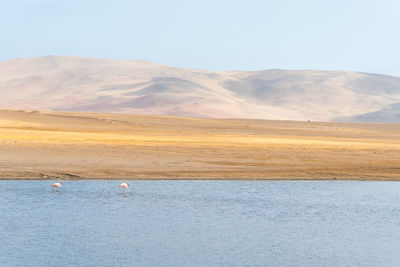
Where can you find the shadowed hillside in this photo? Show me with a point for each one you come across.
(140, 87)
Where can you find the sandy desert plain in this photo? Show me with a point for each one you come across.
(75, 145)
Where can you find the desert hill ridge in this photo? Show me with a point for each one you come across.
(140, 87)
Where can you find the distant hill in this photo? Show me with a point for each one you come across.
(141, 87)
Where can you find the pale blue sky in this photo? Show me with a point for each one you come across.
(360, 35)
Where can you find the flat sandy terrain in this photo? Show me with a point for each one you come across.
(50, 145)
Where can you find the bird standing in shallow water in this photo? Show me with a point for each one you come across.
(57, 185)
(124, 185)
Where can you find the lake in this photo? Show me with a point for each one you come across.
(200, 223)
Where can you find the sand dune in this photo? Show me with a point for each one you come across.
(50, 145)
(140, 87)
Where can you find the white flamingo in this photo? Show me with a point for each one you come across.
(57, 185)
(124, 185)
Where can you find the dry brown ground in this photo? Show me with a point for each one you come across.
(48, 145)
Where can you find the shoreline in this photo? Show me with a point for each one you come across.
(205, 179)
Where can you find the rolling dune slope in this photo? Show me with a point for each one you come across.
(140, 87)
(49, 145)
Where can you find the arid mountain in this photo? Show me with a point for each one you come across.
(140, 87)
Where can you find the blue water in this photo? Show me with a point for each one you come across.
(200, 223)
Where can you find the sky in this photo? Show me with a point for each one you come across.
(354, 35)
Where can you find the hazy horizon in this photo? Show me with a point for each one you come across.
(226, 70)
(228, 35)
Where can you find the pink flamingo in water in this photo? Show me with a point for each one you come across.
(124, 185)
(57, 185)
